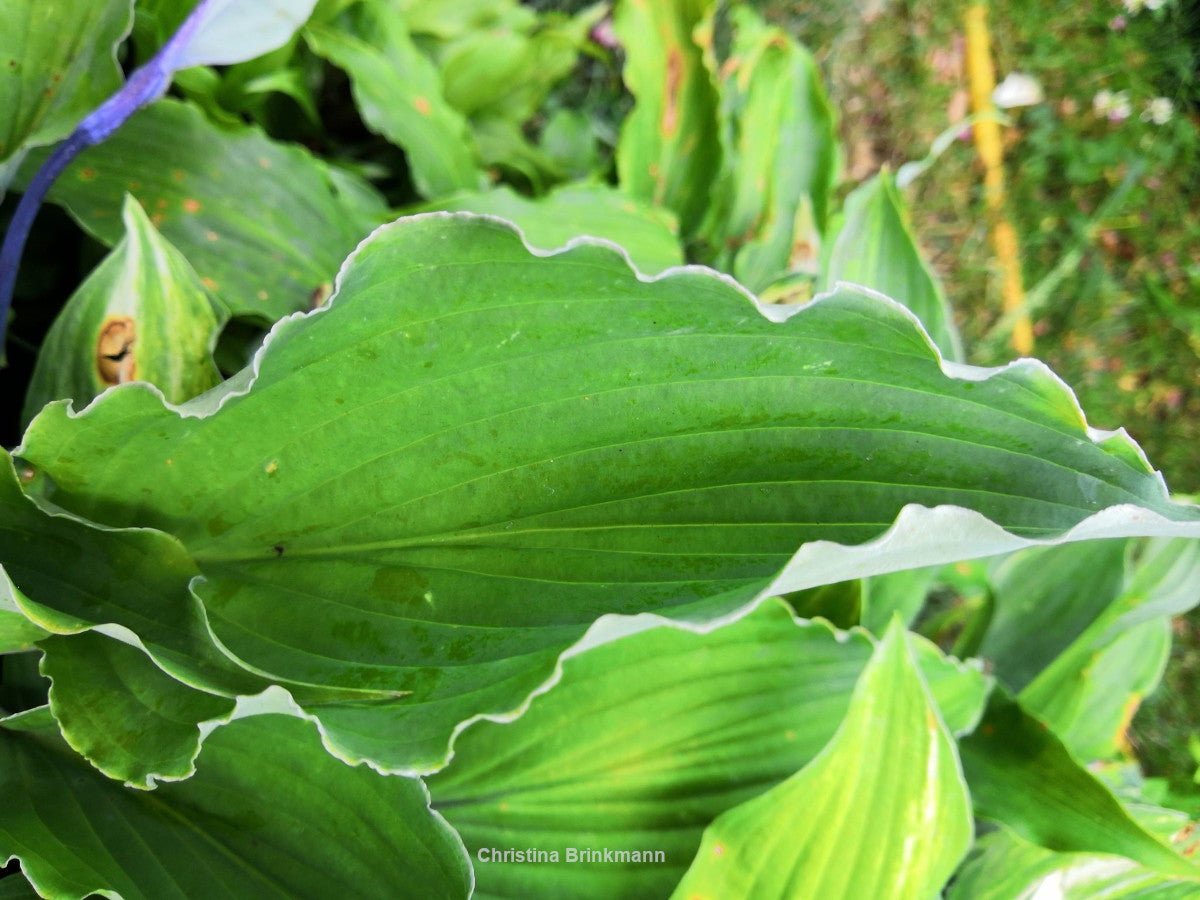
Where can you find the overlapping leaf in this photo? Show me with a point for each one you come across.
(142, 314)
(268, 814)
(881, 812)
(1023, 777)
(399, 92)
(57, 62)
(649, 234)
(438, 484)
(1004, 867)
(768, 216)
(264, 224)
(874, 245)
(644, 741)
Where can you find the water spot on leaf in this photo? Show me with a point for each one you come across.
(116, 361)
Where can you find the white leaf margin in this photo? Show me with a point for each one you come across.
(920, 536)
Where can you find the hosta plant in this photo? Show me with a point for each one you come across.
(521, 558)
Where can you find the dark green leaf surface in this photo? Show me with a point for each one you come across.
(1023, 777)
(268, 814)
(141, 315)
(882, 811)
(57, 62)
(264, 224)
(475, 452)
(71, 577)
(126, 716)
(644, 741)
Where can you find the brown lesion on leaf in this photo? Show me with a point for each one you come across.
(320, 294)
(116, 361)
(670, 116)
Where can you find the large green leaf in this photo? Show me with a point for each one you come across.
(268, 814)
(1022, 776)
(874, 245)
(881, 812)
(399, 92)
(57, 62)
(263, 223)
(669, 151)
(648, 233)
(141, 315)
(475, 451)
(645, 740)
(768, 219)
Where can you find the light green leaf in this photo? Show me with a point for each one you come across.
(669, 153)
(268, 814)
(264, 224)
(1004, 867)
(902, 593)
(17, 633)
(141, 315)
(645, 740)
(781, 157)
(648, 233)
(1091, 690)
(874, 245)
(1023, 777)
(57, 62)
(233, 31)
(881, 811)
(127, 717)
(475, 452)
(400, 95)
(1045, 598)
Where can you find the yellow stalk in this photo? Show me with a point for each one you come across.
(981, 77)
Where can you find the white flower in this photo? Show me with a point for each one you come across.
(1154, 4)
(1017, 89)
(1133, 7)
(1159, 111)
(1114, 107)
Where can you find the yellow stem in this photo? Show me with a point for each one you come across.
(981, 77)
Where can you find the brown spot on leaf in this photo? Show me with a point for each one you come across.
(190, 205)
(87, 174)
(178, 175)
(320, 294)
(422, 106)
(116, 361)
(208, 283)
(212, 236)
(670, 117)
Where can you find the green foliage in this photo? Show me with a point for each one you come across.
(508, 563)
